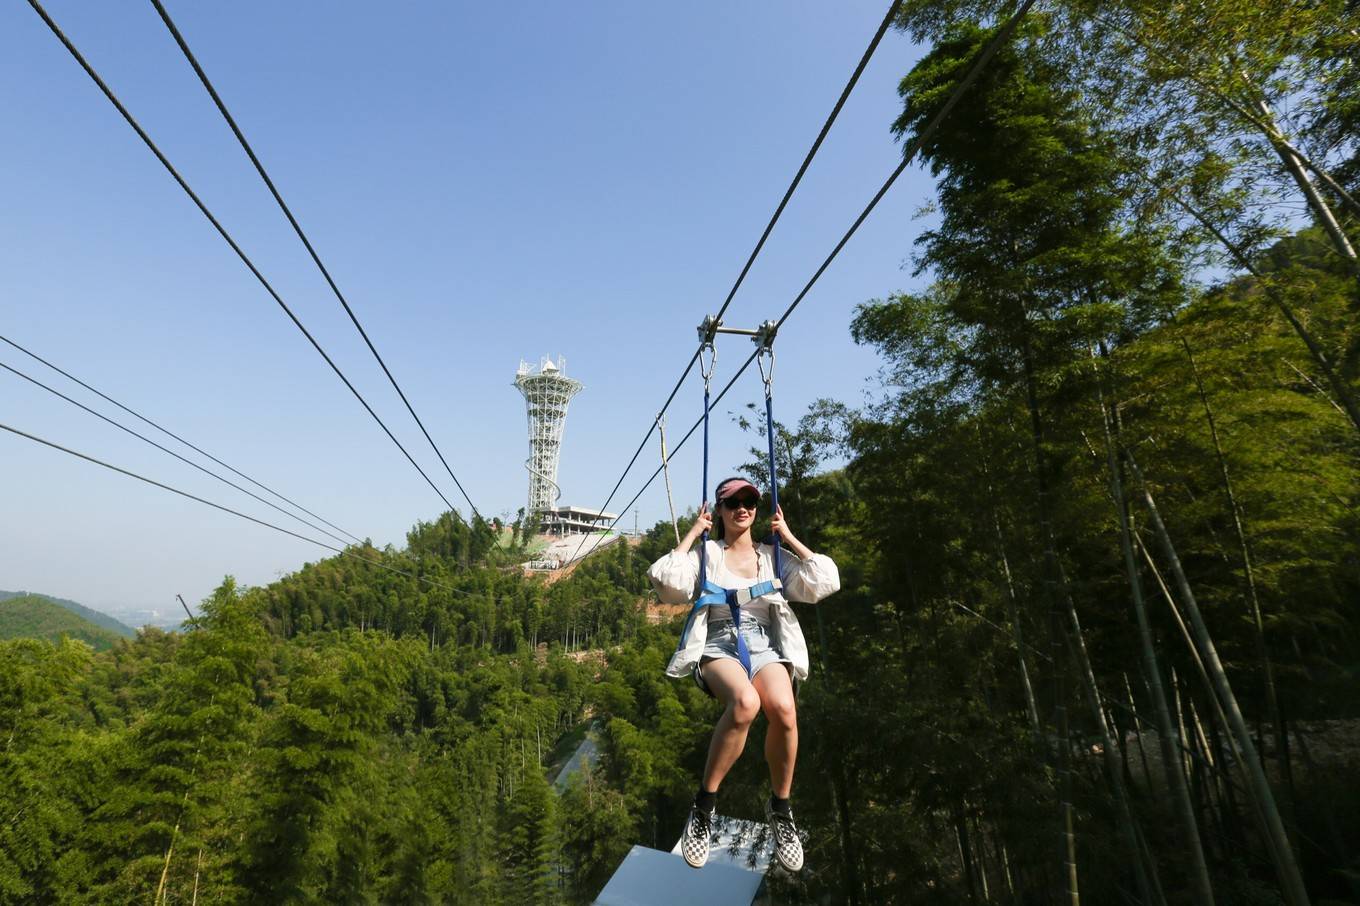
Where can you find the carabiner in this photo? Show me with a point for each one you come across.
(707, 370)
(766, 371)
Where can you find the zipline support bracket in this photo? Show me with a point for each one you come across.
(709, 327)
(762, 336)
(764, 340)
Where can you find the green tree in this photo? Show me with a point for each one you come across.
(597, 830)
(310, 838)
(37, 679)
(161, 819)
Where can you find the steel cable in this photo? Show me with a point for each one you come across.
(812, 152)
(163, 449)
(245, 259)
(226, 509)
(760, 244)
(168, 433)
(908, 154)
(297, 228)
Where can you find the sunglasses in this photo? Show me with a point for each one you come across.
(742, 503)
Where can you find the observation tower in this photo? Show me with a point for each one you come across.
(547, 391)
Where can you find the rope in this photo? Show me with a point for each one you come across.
(245, 259)
(670, 500)
(297, 228)
(168, 433)
(226, 509)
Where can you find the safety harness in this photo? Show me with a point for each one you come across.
(710, 593)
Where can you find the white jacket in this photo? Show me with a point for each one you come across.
(676, 578)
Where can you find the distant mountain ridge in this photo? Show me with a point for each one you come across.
(35, 617)
(101, 620)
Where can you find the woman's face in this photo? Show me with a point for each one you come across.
(739, 512)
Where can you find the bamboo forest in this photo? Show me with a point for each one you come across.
(1096, 521)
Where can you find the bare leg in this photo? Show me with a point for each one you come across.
(775, 689)
(727, 679)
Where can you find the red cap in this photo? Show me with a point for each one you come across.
(732, 486)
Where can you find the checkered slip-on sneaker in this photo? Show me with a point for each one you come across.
(788, 848)
(698, 833)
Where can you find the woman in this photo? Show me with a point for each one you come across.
(770, 639)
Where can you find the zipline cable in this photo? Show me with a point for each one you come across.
(167, 432)
(163, 449)
(297, 228)
(908, 154)
(217, 506)
(812, 152)
(359, 541)
(760, 244)
(245, 259)
(688, 434)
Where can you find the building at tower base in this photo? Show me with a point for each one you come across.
(574, 520)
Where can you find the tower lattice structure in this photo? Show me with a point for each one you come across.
(547, 391)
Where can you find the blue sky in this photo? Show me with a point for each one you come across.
(487, 182)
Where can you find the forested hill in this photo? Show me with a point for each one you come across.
(39, 617)
(102, 620)
(346, 734)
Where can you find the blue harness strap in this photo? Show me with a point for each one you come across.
(735, 598)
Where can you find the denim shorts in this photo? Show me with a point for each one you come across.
(722, 643)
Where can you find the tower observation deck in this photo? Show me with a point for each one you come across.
(547, 390)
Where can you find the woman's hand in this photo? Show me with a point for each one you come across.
(702, 523)
(781, 528)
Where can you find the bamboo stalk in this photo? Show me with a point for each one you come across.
(966, 862)
(1138, 729)
(1216, 784)
(983, 868)
(1321, 209)
(1150, 859)
(169, 852)
(1111, 760)
(1013, 611)
(1193, 765)
(1050, 573)
(1199, 869)
(1121, 739)
(1006, 870)
(1012, 608)
(1258, 623)
(1204, 677)
(1291, 880)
